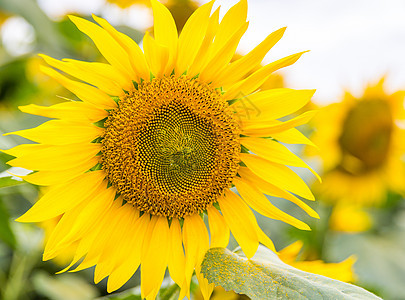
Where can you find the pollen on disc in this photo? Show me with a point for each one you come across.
(171, 147)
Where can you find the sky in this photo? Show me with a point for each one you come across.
(352, 42)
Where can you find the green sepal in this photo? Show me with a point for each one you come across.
(115, 98)
(135, 84)
(100, 123)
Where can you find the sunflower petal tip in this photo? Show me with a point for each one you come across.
(61, 271)
(312, 92)
(71, 17)
(22, 219)
(47, 256)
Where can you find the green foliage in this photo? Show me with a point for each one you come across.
(265, 276)
(8, 181)
(6, 234)
(63, 287)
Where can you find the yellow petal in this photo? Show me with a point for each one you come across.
(61, 229)
(292, 136)
(64, 197)
(106, 70)
(85, 92)
(104, 231)
(108, 47)
(78, 221)
(272, 190)
(289, 254)
(46, 178)
(241, 221)
(275, 103)
(61, 132)
(192, 37)
(131, 263)
(257, 201)
(104, 84)
(24, 149)
(275, 152)
(75, 111)
(112, 252)
(264, 239)
(243, 66)
(165, 32)
(219, 230)
(156, 55)
(254, 81)
(51, 158)
(177, 261)
(205, 287)
(155, 256)
(267, 128)
(202, 54)
(277, 174)
(196, 243)
(88, 218)
(222, 57)
(234, 18)
(136, 56)
(82, 248)
(342, 271)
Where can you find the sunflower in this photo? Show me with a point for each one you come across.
(342, 271)
(155, 145)
(361, 144)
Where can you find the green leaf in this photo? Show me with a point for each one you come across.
(265, 276)
(6, 234)
(8, 181)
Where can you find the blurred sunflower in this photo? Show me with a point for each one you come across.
(342, 271)
(157, 142)
(346, 217)
(361, 146)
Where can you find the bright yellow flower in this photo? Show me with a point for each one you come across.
(157, 141)
(342, 271)
(361, 145)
